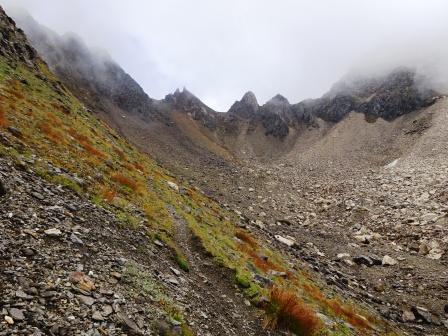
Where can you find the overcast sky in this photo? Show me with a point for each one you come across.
(221, 49)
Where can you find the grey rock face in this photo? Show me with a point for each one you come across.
(13, 43)
(247, 107)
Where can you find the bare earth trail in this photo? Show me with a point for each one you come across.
(220, 304)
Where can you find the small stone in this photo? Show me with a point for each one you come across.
(265, 282)
(2, 189)
(158, 243)
(173, 280)
(82, 280)
(22, 295)
(260, 224)
(9, 319)
(175, 271)
(107, 310)
(128, 323)
(363, 260)
(116, 275)
(16, 314)
(173, 186)
(27, 252)
(388, 261)
(53, 232)
(76, 240)
(37, 195)
(342, 256)
(15, 131)
(434, 255)
(87, 300)
(422, 314)
(423, 249)
(408, 316)
(97, 316)
(48, 294)
(365, 238)
(287, 241)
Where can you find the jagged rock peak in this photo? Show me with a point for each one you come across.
(184, 93)
(249, 99)
(247, 107)
(278, 100)
(182, 97)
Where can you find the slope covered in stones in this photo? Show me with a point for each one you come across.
(99, 239)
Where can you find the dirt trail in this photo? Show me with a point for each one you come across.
(220, 304)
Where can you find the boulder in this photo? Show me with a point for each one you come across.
(287, 241)
(422, 314)
(173, 186)
(53, 232)
(408, 316)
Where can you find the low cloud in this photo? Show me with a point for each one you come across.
(219, 50)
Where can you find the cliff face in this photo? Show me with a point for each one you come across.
(387, 97)
(13, 43)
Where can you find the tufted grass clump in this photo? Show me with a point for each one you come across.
(286, 311)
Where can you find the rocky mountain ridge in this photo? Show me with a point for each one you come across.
(99, 80)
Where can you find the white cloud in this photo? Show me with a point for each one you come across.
(220, 49)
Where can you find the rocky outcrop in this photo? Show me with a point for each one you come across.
(247, 107)
(13, 43)
(386, 97)
(187, 102)
(90, 74)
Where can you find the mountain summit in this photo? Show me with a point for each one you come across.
(247, 107)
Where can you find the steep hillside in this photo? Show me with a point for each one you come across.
(96, 238)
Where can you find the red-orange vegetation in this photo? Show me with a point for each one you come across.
(15, 91)
(76, 135)
(349, 314)
(92, 150)
(108, 195)
(129, 166)
(260, 261)
(313, 292)
(120, 153)
(85, 143)
(54, 120)
(247, 238)
(139, 167)
(51, 133)
(3, 120)
(126, 181)
(60, 107)
(345, 311)
(286, 311)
